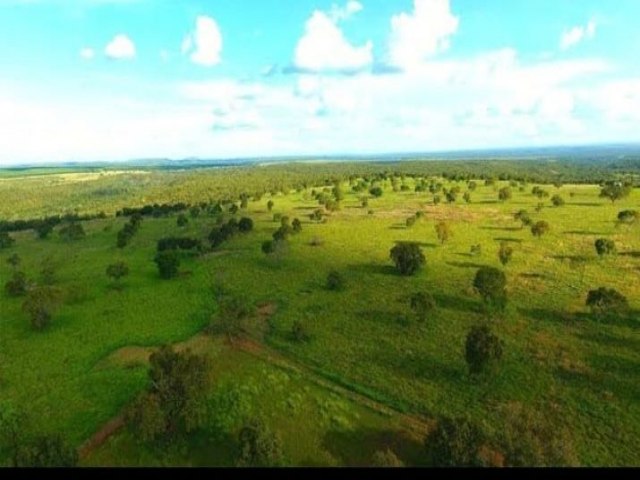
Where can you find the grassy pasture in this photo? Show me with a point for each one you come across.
(583, 373)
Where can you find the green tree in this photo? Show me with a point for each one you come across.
(523, 217)
(232, 316)
(557, 201)
(505, 253)
(14, 260)
(467, 197)
(422, 304)
(299, 332)
(182, 220)
(40, 304)
(245, 225)
(491, 284)
(615, 191)
(48, 451)
(259, 446)
(335, 281)
(443, 231)
(168, 262)
(408, 257)
(605, 302)
(505, 194)
(296, 225)
(386, 459)
(454, 443)
(6, 240)
(17, 285)
(540, 228)
(270, 205)
(116, 271)
(605, 246)
(376, 192)
(628, 217)
(482, 349)
(72, 232)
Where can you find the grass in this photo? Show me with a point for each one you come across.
(80, 372)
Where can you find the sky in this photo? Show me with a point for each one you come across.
(110, 80)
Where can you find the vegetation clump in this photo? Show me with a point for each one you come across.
(407, 257)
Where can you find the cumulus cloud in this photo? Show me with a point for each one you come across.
(205, 43)
(323, 47)
(87, 53)
(577, 34)
(121, 47)
(422, 33)
(339, 13)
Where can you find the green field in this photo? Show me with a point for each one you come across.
(367, 379)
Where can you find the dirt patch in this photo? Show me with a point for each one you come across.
(101, 436)
(266, 310)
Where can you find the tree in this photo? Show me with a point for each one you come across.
(282, 234)
(615, 191)
(472, 185)
(628, 217)
(14, 260)
(245, 225)
(491, 284)
(232, 316)
(17, 285)
(296, 225)
(73, 231)
(454, 443)
(12, 433)
(376, 192)
(467, 197)
(607, 302)
(116, 271)
(436, 199)
(335, 281)
(408, 257)
(410, 222)
(482, 348)
(6, 240)
(259, 446)
(40, 304)
(443, 231)
(505, 194)
(422, 304)
(386, 459)
(48, 451)
(168, 262)
(540, 228)
(505, 253)
(523, 217)
(605, 246)
(182, 220)
(451, 196)
(270, 205)
(43, 230)
(557, 201)
(299, 332)
(175, 399)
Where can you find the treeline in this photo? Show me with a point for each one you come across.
(43, 226)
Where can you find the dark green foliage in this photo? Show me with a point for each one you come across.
(408, 257)
(335, 281)
(194, 212)
(219, 235)
(40, 304)
(605, 246)
(386, 459)
(296, 225)
(607, 302)
(6, 240)
(451, 196)
(475, 250)
(177, 243)
(48, 271)
(17, 285)
(116, 271)
(436, 199)
(71, 232)
(505, 253)
(505, 194)
(174, 403)
(233, 209)
(615, 191)
(299, 332)
(182, 220)
(628, 217)
(443, 231)
(482, 349)
(316, 215)
(270, 205)
(540, 228)
(232, 316)
(48, 451)
(410, 222)
(12, 434)
(422, 304)
(14, 260)
(454, 443)
(491, 284)
(523, 217)
(282, 234)
(467, 197)
(376, 192)
(168, 262)
(245, 225)
(43, 230)
(557, 201)
(472, 185)
(129, 229)
(259, 446)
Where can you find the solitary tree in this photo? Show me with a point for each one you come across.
(182, 220)
(376, 191)
(40, 304)
(422, 304)
(72, 231)
(454, 443)
(408, 257)
(168, 262)
(335, 281)
(505, 194)
(245, 225)
(540, 228)
(270, 205)
(491, 283)
(116, 271)
(443, 231)
(607, 301)
(505, 253)
(557, 200)
(615, 191)
(482, 348)
(259, 446)
(605, 246)
(628, 217)
(17, 285)
(233, 314)
(523, 217)
(467, 197)
(296, 225)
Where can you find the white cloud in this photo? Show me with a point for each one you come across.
(121, 47)
(87, 53)
(323, 47)
(339, 13)
(205, 44)
(577, 34)
(421, 34)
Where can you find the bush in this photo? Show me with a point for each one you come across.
(168, 262)
(245, 225)
(454, 443)
(422, 304)
(73, 231)
(335, 281)
(491, 284)
(505, 194)
(259, 446)
(628, 217)
(376, 192)
(407, 257)
(443, 231)
(540, 228)
(17, 285)
(118, 270)
(557, 201)
(296, 225)
(6, 240)
(505, 253)
(482, 348)
(40, 304)
(605, 246)
(48, 451)
(607, 301)
(386, 458)
(299, 332)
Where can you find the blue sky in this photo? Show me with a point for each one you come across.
(87, 80)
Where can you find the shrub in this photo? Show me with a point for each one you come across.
(245, 225)
(168, 262)
(182, 220)
(118, 270)
(557, 201)
(259, 446)
(505, 253)
(48, 451)
(335, 281)
(40, 304)
(482, 348)
(443, 231)
(299, 332)
(376, 192)
(605, 246)
(73, 231)
(540, 228)
(386, 458)
(505, 194)
(607, 301)
(6, 240)
(628, 217)
(422, 304)
(407, 257)
(491, 283)
(17, 285)
(454, 443)
(296, 225)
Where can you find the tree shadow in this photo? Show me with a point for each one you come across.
(546, 314)
(630, 254)
(462, 254)
(459, 304)
(486, 202)
(502, 229)
(613, 341)
(465, 264)
(585, 232)
(585, 204)
(374, 269)
(534, 276)
(571, 258)
(398, 227)
(508, 240)
(355, 448)
(420, 244)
